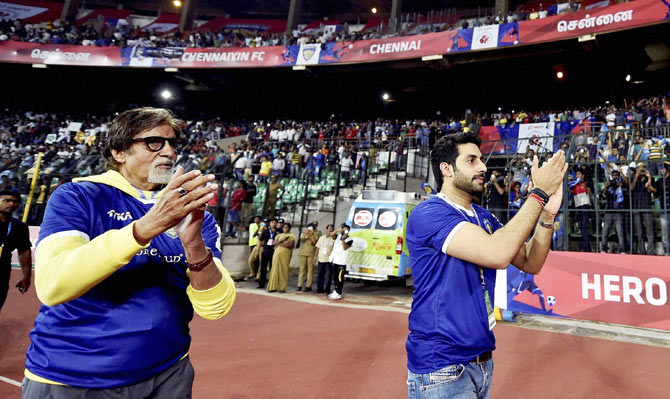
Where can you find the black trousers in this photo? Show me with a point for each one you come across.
(323, 277)
(5, 272)
(338, 277)
(266, 258)
(174, 383)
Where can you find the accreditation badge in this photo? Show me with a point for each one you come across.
(489, 310)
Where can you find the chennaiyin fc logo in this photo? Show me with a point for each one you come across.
(487, 226)
(308, 52)
(172, 233)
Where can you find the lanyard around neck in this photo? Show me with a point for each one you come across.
(467, 218)
(9, 229)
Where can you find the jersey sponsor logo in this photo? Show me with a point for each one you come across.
(487, 226)
(172, 233)
(119, 216)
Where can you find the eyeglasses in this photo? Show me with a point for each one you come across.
(156, 143)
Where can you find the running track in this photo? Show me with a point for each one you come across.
(271, 347)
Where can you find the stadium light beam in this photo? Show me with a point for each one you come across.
(177, 3)
(166, 94)
(374, 10)
(560, 75)
(628, 78)
(386, 96)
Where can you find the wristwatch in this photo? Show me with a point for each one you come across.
(196, 267)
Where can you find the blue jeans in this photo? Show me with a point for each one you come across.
(458, 381)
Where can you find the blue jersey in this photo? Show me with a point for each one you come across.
(133, 324)
(448, 322)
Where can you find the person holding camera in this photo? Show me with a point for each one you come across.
(13, 235)
(641, 189)
(494, 192)
(338, 258)
(614, 192)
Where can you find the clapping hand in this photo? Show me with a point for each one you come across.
(182, 203)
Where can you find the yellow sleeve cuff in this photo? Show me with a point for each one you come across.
(215, 302)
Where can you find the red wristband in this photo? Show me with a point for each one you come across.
(538, 199)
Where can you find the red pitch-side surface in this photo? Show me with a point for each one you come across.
(270, 347)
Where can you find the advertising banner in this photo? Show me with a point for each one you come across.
(30, 11)
(485, 37)
(616, 17)
(57, 54)
(622, 289)
(536, 136)
(308, 54)
(178, 57)
(386, 49)
(570, 25)
(19, 11)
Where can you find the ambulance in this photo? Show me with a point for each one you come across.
(378, 220)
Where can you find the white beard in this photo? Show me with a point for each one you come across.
(159, 176)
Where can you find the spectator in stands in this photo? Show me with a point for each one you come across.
(248, 202)
(235, 210)
(296, 160)
(5, 185)
(581, 192)
(240, 163)
(278, 165)
(281, 260)
(642, 186)
(265, 169)
(319, 162)
(663, 193)
(308, 240)
(494, 192)
(614, 192)
(273, 190)
(345, 167)
(516, 198)
(363, 168)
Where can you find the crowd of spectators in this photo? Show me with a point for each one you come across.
(122, 34)
(617, 161)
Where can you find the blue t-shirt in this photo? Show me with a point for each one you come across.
(448, 322)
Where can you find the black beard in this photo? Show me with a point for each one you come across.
(462, 183)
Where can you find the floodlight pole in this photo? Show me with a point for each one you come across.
(187, 14)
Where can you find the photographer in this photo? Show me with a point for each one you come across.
(614, 193)
(494, 192)
(338, 258)
(641, 188)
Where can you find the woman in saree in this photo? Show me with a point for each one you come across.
(281, 260)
